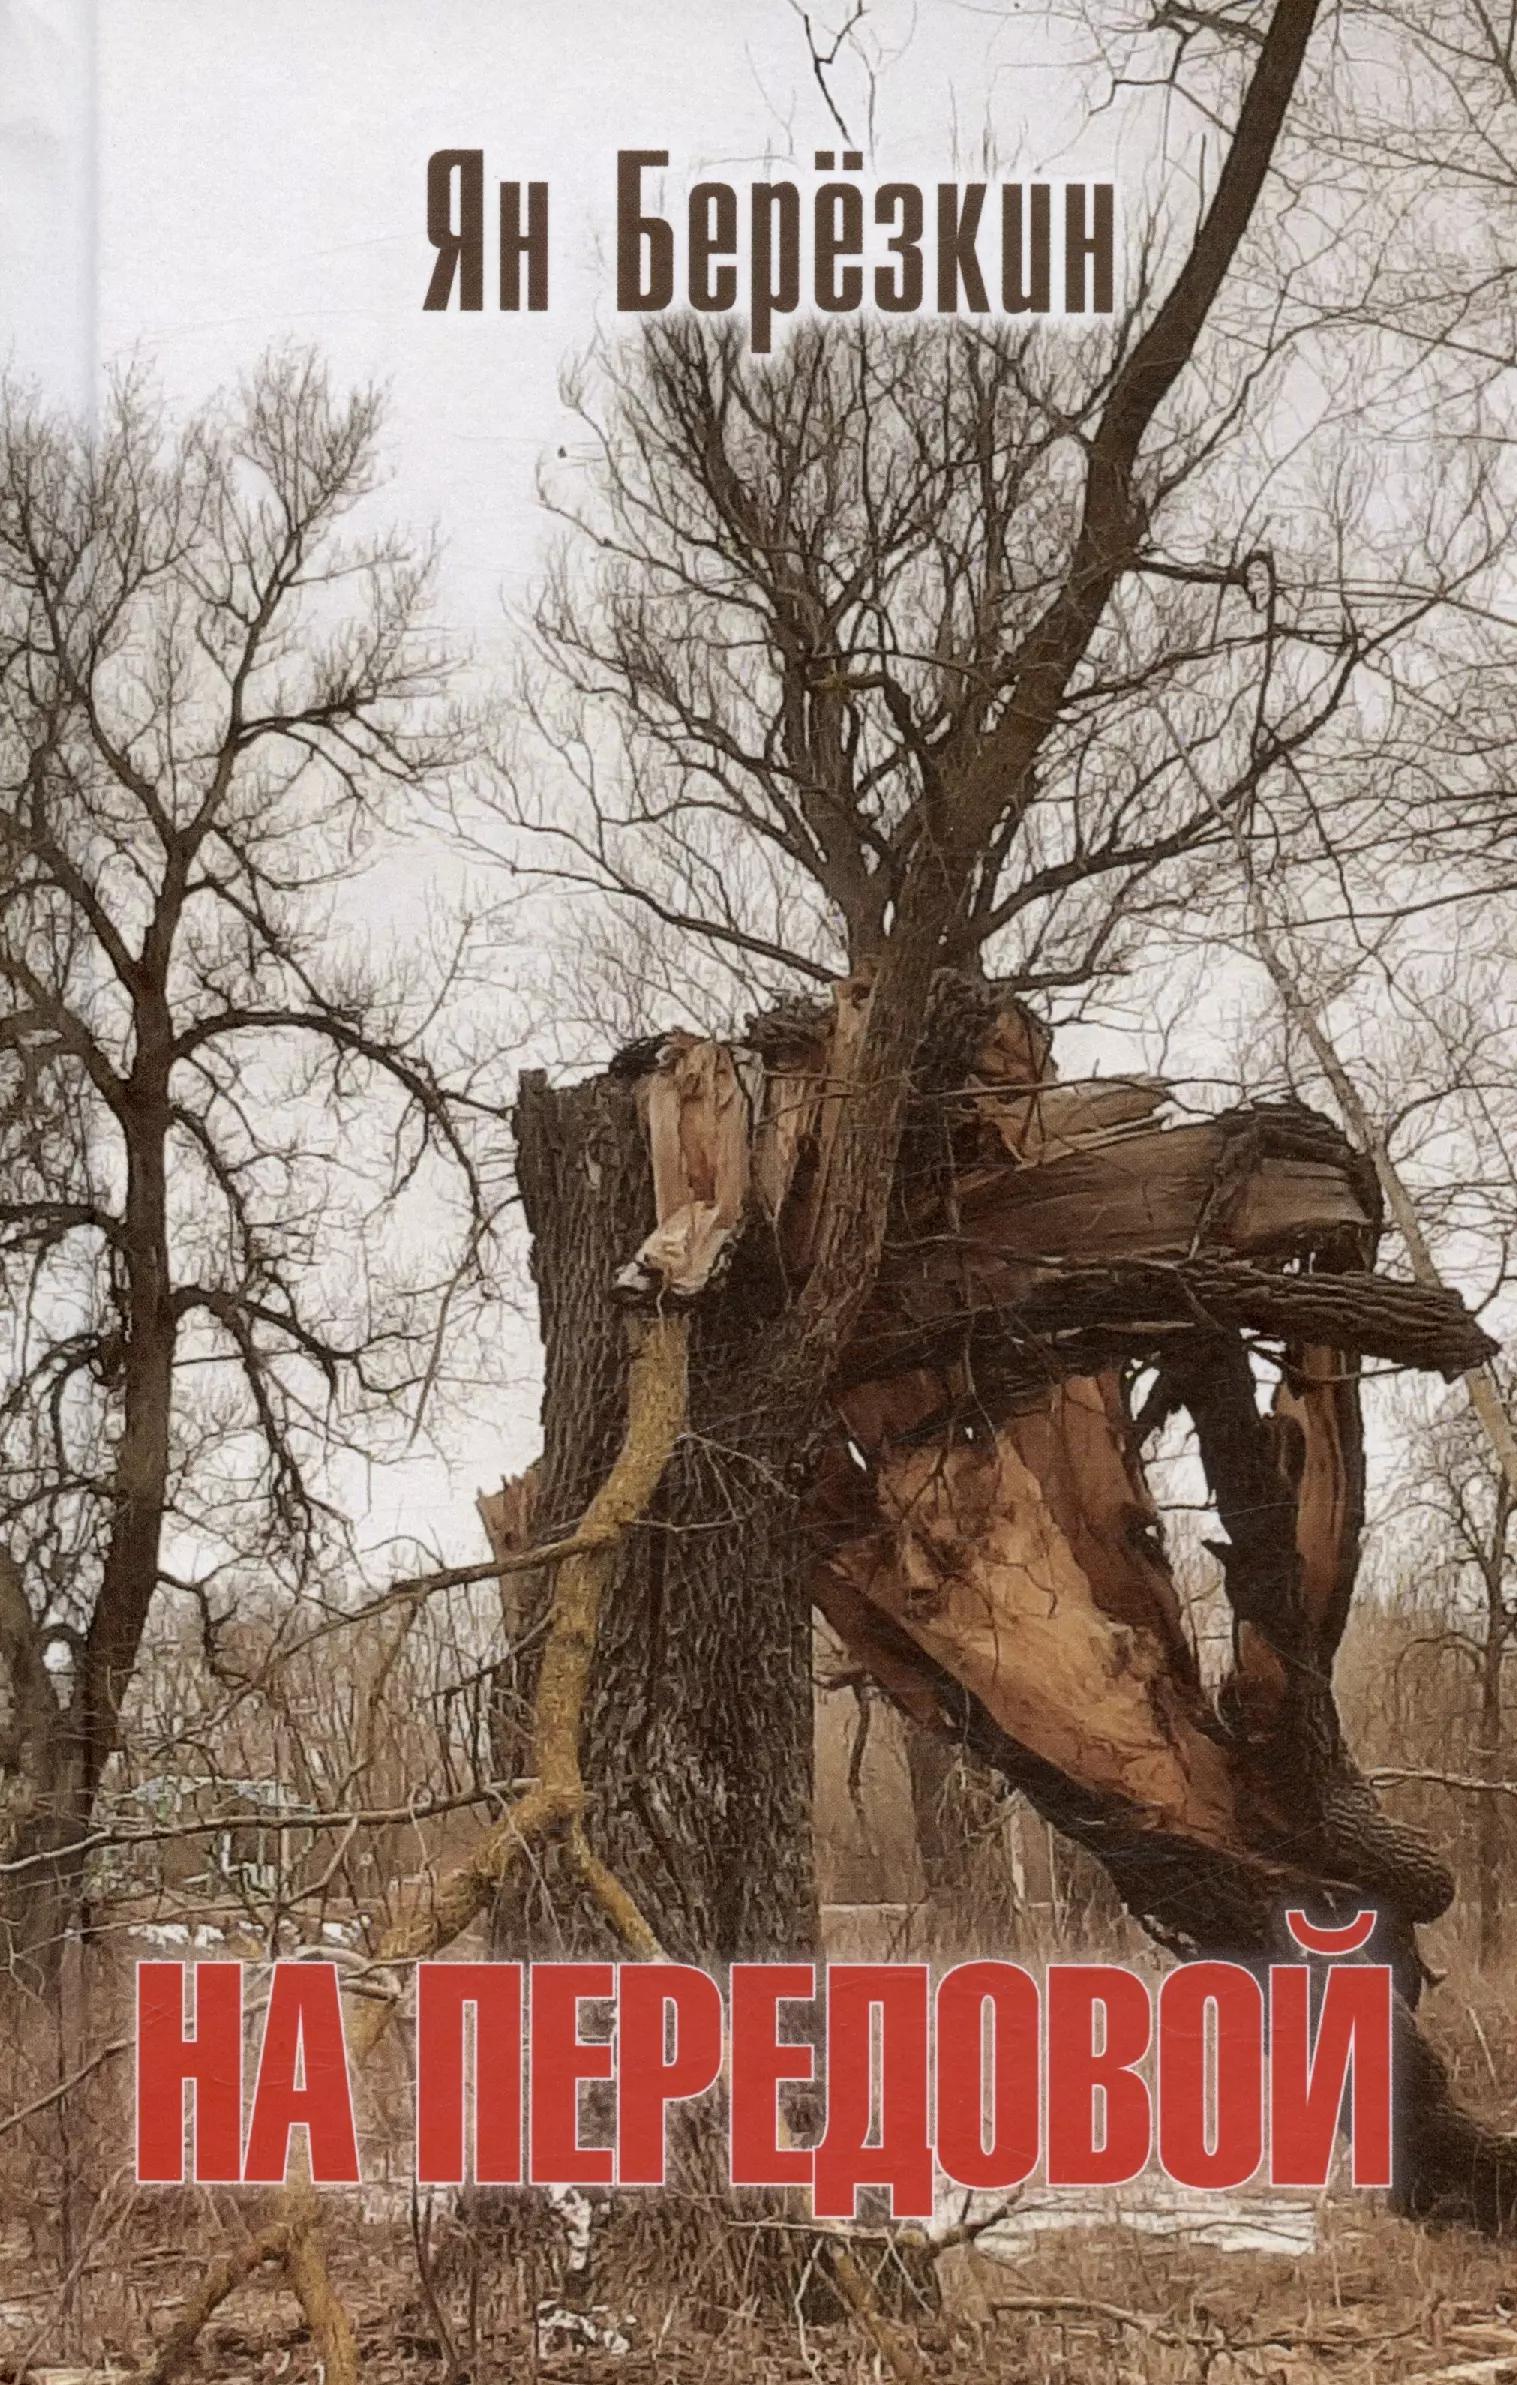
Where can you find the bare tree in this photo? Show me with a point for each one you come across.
(828, 690)
(218, 697)
(886, 662)
(813, 589)
(1465, 1505)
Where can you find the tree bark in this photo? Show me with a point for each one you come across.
(1488, 1818)
(1490, 1822)
(697, 1751)
(57, 1765)
(961, 1487)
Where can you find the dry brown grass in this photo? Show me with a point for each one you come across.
(1377, 2300)
(91, 2271)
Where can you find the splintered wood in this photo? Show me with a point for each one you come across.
(696, 1120)
(975, 1565)
(984, 1525)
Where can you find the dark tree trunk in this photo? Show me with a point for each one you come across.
(946, 1461)
(34, 1798)
(942, 1811)
(61, 1753)
(698, 1739)
(1488, 1815)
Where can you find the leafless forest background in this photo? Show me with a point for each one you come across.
(1136, 702)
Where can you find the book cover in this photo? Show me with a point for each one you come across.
(756, 1106)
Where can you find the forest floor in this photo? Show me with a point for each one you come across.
(1375, 2300)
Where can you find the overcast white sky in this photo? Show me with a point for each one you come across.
(189, 181)
(185, 181)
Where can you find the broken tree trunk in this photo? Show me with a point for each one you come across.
(698, 1724)
(965, 1496)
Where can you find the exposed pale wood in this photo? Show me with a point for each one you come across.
(507, 1514)
(695, 1117)
(1024, 1565)
(799, 1219)
(696, 1122)
(1017, 1048)
(1077, 1445)
(682, 1256)
(975, 1567)
(1050, 1121)
(1151, 1195)
(1319, 1394)
(791, 1097)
